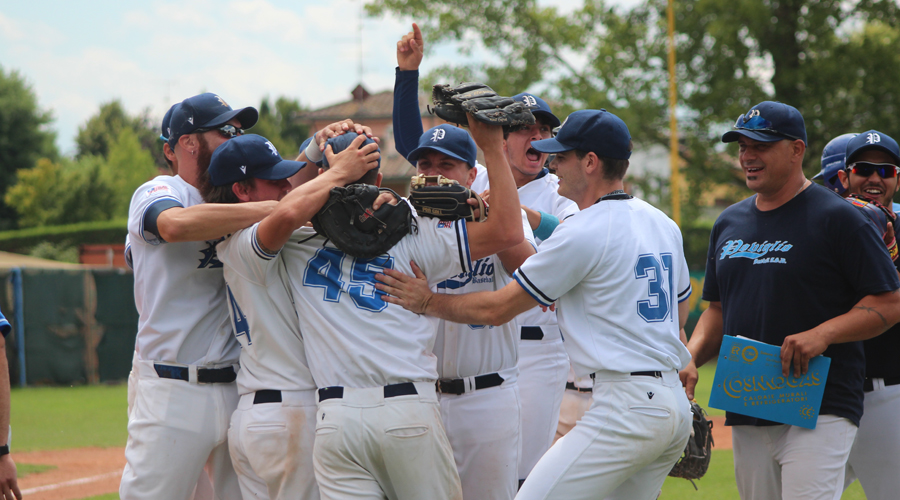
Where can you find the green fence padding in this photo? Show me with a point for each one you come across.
(54, 311)
(119, 317)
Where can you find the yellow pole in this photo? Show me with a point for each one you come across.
(673, 122)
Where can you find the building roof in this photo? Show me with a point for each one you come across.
(363, 105)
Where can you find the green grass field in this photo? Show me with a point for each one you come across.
(72, 417)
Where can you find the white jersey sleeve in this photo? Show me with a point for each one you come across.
(448, 258)
(148, 202)
(241, 253)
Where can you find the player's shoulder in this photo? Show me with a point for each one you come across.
(160, 187)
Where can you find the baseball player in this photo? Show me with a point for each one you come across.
(478, 389)
(186, 353)
(272, 431)
(774, 276)
(379, 432)
(871, 171)
(9, 486)
(543, 364)
(617, 273)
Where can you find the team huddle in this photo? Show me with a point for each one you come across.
(273, 361)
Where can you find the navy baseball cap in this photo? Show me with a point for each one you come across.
(339, 143)
(249, 156)
(873, 139)
(600, 132)
(204, 111)
(539, 108)
(452, 141)
(769, 121)
(833, 155)
(167, 119)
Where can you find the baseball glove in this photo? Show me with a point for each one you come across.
(695, 460)
(446, 199)
(452, 103)
(880, 216)
(347, 219)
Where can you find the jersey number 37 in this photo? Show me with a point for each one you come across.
(658, 304)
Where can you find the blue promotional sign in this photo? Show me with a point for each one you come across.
(748, 381)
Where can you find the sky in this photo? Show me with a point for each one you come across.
(79, 55)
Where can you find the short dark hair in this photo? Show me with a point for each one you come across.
(613, 168)
(368, 178)
(225, 194)
(507, 129)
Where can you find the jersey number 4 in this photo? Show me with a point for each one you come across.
(326, 270)
(658, 305)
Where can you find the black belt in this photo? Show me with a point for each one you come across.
(204, 375)
(641, 374)
(267, 396)
(458, 385)
(532, 333)
(869, 386)
(573, 387)
(390, 391)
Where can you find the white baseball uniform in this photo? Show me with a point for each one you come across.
(616, 271)
(543, 364)
(186, 357)
(378, 427)
(273, 429)
(477, 365)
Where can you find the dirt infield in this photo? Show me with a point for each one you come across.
(85, 472)
(79, 473)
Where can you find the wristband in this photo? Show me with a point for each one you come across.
(546, 227)
(4, 450)
(892, 249)
(312, 151)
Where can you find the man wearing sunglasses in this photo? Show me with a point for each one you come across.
(871, 172)
(186, 354)
(776, 275)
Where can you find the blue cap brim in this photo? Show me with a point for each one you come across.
(756, 135)
(280, 170)
(548, 118)
(550, 146)
(818, 176)
(414, 155)
(247, 116)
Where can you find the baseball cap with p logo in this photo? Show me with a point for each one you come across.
(539, 108)
(872, 140)
(590, 130)
(449, 140)
(249, 156)
(769, 121)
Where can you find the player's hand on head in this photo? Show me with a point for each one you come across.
(410, 292)
(339, 128)
(353, 162)
(689, 377)
(383, 198)
(411, 50)
(486, 135)
(798, 349)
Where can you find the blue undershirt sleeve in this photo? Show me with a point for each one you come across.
(152, 213)
(407, 119)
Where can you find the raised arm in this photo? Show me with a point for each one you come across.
(503, 227)
(406, 116)
(298, 206)
(8, 479)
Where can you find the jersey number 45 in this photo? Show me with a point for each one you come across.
(326, 270)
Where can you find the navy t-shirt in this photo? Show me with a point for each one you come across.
(788, 270)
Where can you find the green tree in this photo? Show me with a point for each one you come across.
(97, 136)
(24, 136)
(278, 123)
(64, 192)
(127, 166)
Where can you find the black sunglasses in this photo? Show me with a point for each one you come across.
(226, 130)
(865, 169)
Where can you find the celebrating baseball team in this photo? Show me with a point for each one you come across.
(514, 329)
